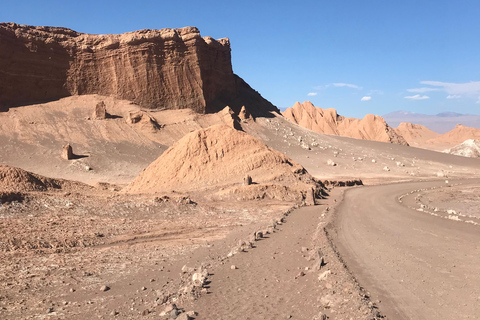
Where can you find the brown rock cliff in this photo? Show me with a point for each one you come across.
(157, 69)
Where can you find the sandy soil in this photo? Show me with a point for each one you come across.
(59, 248)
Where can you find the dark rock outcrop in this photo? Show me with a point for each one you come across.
(157, 69)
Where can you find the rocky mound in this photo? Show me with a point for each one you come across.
(469, 148)
(218, 156)
(157, 69)
(415, 134)
(456, 136)
(17, 180)
(327, 121)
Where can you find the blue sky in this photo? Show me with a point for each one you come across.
(356, 56)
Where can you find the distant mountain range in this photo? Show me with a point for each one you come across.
(440, 123)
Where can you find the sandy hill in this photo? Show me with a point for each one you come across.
(17, 180)
(469, 148)
(327, 121)
(415, 134)
(456, 136)
(116, 148)
(156, 69)
(13, 179)
(216, 157)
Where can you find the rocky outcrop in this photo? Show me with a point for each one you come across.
(157, 69)
(327, 121)
(469, 148)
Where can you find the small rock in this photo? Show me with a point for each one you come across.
(331, 163)
(174, 313)
(186, 269)
(198, 279)
(324, 275)
(145, 312)
(114, 313)
(144, 288)
(320, 316)
(233, 267)
(247, 180)
(49, 310)
(386, 168)
(104, 288)
(184, 316)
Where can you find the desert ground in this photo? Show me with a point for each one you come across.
(88, 249)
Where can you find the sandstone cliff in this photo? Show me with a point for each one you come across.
(327, 121)
(157, 69)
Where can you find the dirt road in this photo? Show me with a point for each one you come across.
(418, 265)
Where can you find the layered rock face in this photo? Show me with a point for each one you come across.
(327, 121)
(157, 69)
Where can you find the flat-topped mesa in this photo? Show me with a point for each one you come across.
(157, 69)
(327, 121)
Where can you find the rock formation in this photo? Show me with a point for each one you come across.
(469, 148)
(67, 152)
(100, 112)
(415, 134)
(157, 69)
(327, 121)
(218, 156)
(244, 114)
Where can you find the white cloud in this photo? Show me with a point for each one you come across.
(366, 98)
(453, 96)
(349, 85)
(422, 90)
(417, 97)
(312, 94)
(468, 88)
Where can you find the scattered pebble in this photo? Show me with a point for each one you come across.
(104, 288)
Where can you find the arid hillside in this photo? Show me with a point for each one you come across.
(156, 69)
(327, 121)
(415, 134)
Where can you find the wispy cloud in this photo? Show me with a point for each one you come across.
(422, 90)
(366, 98)
(454, 96)
(312, 94)
(417, 97)
(348, 85)
(468, 88)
